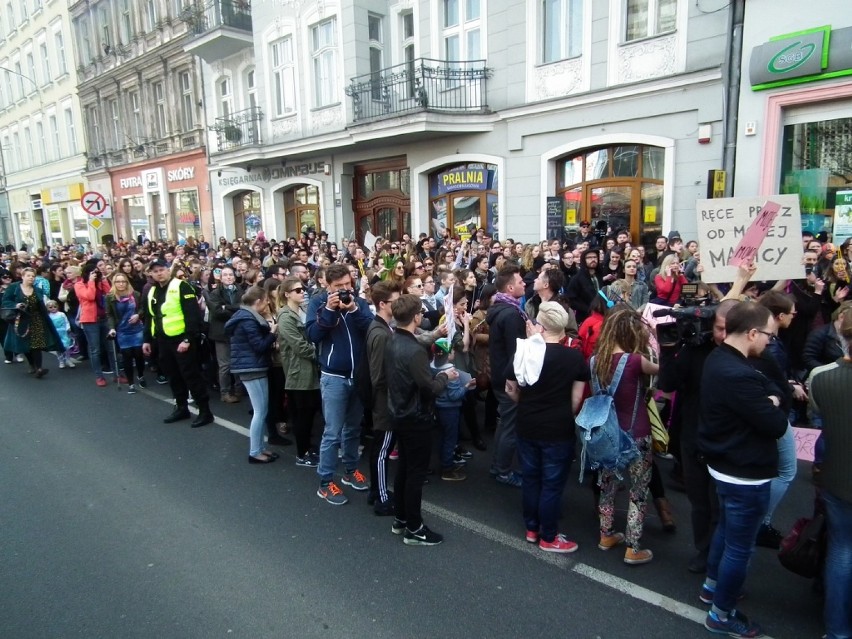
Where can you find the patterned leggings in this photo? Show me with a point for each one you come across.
(640, 476)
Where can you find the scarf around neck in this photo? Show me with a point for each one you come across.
(512, 301)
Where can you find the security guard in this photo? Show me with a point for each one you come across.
(173, 319)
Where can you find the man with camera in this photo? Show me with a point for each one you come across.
(337, 322)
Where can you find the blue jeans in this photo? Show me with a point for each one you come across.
(505, 437)
(838, 568)
(545, 466)
(96, 336)
(258, 392)
(741, 512)
(787, 466)
(342, 411)
(449, 417)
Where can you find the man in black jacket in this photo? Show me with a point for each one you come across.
(740, 421)
(585, 285)
(506, 323)
(411, 391)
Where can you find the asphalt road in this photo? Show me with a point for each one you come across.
(117, 525)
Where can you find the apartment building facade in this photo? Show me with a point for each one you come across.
(795, 115)
(41, 139)
(523, 118)
(140, 96)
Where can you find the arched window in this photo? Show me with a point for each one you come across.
(613, 188)
(247, 214)
(301, 209)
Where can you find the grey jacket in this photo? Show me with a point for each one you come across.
(298, 354)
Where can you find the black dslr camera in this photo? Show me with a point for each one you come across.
(345, 297)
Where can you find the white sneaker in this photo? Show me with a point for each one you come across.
(61, 364)
(19, 358)
(70, 363)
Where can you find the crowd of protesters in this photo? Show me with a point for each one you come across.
(384, 345)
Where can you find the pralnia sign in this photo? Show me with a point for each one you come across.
(804, 56)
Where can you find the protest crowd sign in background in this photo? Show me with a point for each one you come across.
(723, 225)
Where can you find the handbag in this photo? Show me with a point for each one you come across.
(803, 548)
(8, 314)
(659, 433)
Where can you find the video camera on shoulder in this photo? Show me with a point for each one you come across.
(692, 325)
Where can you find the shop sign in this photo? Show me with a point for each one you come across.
(181, 174)
(268, 174)
(133, 182)
(554, 217)
(814, 54)
(734, 227)
(462, 179)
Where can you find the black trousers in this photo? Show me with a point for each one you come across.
(277, 411)
(129, 357)
(303, 407)
(383, 443)
(414, 447)
(183, 371)
(701, 492)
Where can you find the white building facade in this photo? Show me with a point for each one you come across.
(523, 118)
(41, 138)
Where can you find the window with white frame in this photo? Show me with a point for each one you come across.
(561, 29)
(10, 18)
(41, 144)
(32, 83)
(324, 55)
(54, 149)
(283, 77)
(376, 38)
(94, 125)
(226, 98)
(15, 157)
(3, 98)
(115, 116)
(36, 6)
(59, 44)
(104, 26)
(10, 88)
(187, 103)
(406, 31)
(160, 109)
(19, 74)
(136, 109)
(28, 154)
(125, 21)
(647, 18)
(85, 41)
(25, 15)
(461, 29)
(151, 14)
(45, 63)
(70, 131)
(7, 149)
(251, 88)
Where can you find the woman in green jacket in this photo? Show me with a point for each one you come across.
(298, 357)
(30, 329)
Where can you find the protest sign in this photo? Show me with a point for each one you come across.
(747, 249)
(842, 217)
(805, 442)
(722, 227)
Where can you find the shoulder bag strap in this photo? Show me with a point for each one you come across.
(619, 370)
(596, 386)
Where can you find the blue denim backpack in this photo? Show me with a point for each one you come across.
(605, 446)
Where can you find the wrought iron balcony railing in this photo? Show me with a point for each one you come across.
(206, 16)
(241, 128)
(420, 85)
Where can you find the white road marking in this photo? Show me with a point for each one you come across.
(564, 562)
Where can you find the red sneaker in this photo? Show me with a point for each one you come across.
(532, 536)
(122, 379)
(100, 381)
(560, 544)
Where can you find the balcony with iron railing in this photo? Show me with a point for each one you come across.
(221, 27)
(421, 85)
(239, 129)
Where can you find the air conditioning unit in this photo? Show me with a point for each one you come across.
(36, 204)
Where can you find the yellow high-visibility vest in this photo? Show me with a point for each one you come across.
(171, 311)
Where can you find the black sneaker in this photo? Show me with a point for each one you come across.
(398, 526)
(141, 383)
(384, 508)
(162, 379)
(769, 537)
(463, 453)
(421, 537)
(131, 390)
(307, 460)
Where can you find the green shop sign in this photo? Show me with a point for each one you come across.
(804, 56)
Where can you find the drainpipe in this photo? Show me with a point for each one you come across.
(733, 68)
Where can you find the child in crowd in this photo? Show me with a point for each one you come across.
(63, 328)
(448, 406)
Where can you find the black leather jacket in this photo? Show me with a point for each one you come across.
(411, 388)
(822, 347)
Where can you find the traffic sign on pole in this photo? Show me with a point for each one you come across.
(93, 203)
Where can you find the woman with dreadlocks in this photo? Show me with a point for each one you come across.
(625, 334)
